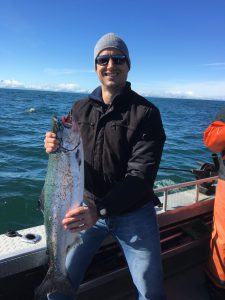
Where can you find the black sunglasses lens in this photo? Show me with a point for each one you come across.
(118, 59)
(103, 60)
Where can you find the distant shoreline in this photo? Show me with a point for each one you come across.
(86, 93)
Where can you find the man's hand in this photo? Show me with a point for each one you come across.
(50, 143)
(80, 218)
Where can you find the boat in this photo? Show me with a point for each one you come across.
(185, 219)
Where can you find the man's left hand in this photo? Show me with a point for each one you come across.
(80, 218)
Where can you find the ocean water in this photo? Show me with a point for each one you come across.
(26, 116)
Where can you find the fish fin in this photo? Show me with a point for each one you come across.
(52, 283)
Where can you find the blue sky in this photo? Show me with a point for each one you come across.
(177, 47)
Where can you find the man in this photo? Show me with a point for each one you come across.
(123, 139)
(214, 138)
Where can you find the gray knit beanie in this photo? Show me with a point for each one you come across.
(111, 40)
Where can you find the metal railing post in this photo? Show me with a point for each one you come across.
(165, 190)
(165, 200)
(197, 193)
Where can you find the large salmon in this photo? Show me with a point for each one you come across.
(63, 190)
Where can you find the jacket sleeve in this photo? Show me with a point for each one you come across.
(214, 135)
(142, 166)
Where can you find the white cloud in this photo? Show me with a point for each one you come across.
(61, 87)
(180, 93)
(66, 87)
(11, 83)
(195, 90)
(217, 64)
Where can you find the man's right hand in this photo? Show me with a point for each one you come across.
(51, 143)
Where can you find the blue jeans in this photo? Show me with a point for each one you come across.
(138, 235)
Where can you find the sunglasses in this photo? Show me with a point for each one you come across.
(117, 59)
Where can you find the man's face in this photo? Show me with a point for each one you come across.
(112, 75)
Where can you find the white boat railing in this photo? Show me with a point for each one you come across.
(165, 190)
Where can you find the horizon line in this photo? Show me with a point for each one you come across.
(180, 97)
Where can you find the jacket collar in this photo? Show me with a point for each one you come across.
(96, 95)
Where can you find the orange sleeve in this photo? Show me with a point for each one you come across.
(214, 136)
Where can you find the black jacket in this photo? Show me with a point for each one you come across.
(122, 148)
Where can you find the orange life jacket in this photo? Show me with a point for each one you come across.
(214, 139)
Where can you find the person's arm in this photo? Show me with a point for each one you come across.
(214, 135)
(142, 165)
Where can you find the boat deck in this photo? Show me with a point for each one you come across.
(184, 232)
(187, 285)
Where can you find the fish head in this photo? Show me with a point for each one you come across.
(67, 132)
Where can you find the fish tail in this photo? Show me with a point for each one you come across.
(53, 283)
